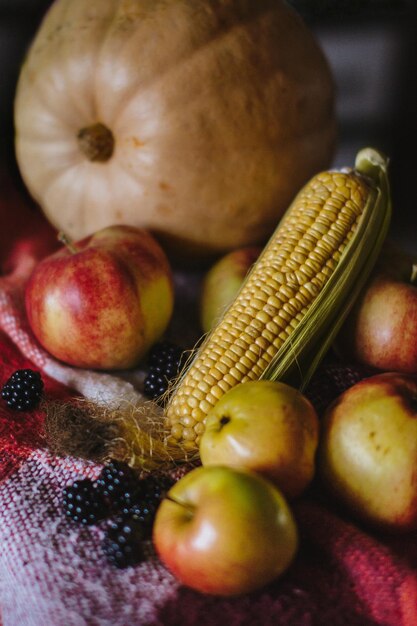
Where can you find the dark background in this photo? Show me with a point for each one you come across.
(371, 47)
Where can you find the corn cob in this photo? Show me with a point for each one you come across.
(296, 296)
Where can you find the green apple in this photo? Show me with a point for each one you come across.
(264, 426)
(222, 282)
(368, 450)
(225, 532)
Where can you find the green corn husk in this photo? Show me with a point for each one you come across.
(300, 343)
(301, 354)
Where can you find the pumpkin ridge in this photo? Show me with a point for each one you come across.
(228, 103)
(107, 34)
(177, 64)
(133, 173)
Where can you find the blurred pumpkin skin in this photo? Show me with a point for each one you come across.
(219, 110)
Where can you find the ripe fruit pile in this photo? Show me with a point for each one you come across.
(273, 434)
(104, 301)
(227, 528)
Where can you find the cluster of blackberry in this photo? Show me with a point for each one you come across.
(165, 361)
(118, 494)
(23, 390)
(128, 501)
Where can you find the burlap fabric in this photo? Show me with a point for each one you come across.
(53, 572)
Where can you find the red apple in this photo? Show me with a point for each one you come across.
(225, 532)
(222, 282)
(368, 450)
(264, 426)
(102, 302)
(381, 330)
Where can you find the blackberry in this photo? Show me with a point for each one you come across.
(123, 543)
(155, 486)
(118, 483)
(83, 503)
(163, 354)
(143, 513)
(155, 385)
(152, 489)
(23, 390)
(165, 361)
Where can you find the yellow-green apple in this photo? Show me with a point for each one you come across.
(103, 301)
(222, 282)
(381, 329)
(225, 532)
(265, 426)
(368, 450)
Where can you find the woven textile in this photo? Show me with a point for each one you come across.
(53, 572)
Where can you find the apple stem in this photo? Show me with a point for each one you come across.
(62, 237)
(414, 273)
(225, 419)
(188, 507)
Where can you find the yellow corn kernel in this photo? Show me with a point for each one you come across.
(286, 280)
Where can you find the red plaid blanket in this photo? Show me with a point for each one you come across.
(53, 572)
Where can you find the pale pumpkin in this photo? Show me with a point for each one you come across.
(198, 119)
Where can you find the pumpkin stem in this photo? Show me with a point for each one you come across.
(96, 142)
(414, 274)
(62, 237)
